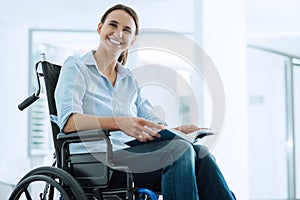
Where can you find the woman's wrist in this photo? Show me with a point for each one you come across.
(111, 123)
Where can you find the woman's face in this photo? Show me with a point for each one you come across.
(117, 32)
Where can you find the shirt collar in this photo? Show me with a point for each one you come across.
(89, 60)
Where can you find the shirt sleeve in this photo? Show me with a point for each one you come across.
(146, 110)
(69, 91)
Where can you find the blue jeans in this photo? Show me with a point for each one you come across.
(186, 171)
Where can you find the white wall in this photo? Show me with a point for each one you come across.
(224, 41)
(14, 87)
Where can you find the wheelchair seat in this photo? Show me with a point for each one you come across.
(76, 176)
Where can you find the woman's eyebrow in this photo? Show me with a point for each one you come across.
(116, 22)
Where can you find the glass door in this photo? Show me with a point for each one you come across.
(274, 118)
(267, 125)
(296, 73)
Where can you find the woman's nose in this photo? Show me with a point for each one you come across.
(118, 33)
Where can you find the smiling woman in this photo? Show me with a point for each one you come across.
(121, 15)
(97, 91)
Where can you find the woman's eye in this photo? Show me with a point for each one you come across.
(113, 25)
(127, 30)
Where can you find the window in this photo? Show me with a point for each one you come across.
(57, 45)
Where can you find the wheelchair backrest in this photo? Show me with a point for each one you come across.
(51, 74)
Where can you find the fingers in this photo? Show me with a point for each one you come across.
(144, 137)
(187, 128)
(139, 128)
(148, 131)
(193, 128)
(144, 134)
(154, 126)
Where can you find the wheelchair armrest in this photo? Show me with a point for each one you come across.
(92, 135)
(89, 134)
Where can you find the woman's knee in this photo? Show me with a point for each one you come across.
(183, 151)
(202, 152)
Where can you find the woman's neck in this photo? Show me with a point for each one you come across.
(106, 63)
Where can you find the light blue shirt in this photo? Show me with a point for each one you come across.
(83, 89)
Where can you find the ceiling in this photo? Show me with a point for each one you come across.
(272, 24)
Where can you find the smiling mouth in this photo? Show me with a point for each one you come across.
(115, 41)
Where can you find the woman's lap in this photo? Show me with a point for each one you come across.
(146, 161)
(155, 164)
(151, 156)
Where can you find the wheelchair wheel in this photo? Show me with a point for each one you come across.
(57, 182)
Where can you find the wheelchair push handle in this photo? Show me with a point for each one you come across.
(35, 96)
(27, 102)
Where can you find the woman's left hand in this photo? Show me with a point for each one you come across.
(187, 128)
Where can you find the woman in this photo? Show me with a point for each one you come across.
(97, 92)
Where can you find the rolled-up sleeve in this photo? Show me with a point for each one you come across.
(145, 109)
(69, 91)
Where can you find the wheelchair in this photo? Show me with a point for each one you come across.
(74, 176)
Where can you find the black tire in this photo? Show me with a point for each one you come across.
(68, 181)
(23, 185)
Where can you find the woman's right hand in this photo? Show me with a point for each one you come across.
(138, 128)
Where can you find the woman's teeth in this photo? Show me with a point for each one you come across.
(115, 41)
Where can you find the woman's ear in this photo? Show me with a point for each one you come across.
(99, 28)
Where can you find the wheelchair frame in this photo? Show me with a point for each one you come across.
(61, 178)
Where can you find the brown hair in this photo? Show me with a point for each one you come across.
(123, 57)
